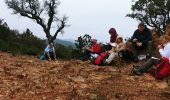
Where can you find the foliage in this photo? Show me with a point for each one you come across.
(43, 13)
(67, 52)
(14, 42)
(83, 41)
(26, 43)
(155, 13)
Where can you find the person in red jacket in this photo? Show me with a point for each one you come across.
(95, 48)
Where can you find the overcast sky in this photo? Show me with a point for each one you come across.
(94, 17)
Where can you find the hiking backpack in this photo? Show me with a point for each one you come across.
(161, 70)
(100, 60)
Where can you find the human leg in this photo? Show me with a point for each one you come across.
(147, 66)
(111, 57)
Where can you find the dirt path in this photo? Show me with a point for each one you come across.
(26, 77)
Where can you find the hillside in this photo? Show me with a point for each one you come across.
(64, 43)
(27, 77)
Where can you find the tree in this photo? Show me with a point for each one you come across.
(83, 41)
(37, 11)
(155, 13)
(4, 30)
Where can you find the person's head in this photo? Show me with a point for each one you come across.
(112, 31)
(164, 39)
(93, 41)
(141, 27)
(119, 40)
(167, 30)
(51, 45)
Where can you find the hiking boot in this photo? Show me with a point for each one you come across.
(135, 59)
(105, 63)
(148, 56)
(136, 70)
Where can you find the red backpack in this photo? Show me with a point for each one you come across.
(161, 70)
(100, 59)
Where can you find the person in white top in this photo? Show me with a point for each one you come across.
(164, 50)
(50, 52)
(116, 48)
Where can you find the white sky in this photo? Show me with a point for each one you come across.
(94, 17)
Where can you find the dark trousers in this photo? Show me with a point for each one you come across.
(149, 64)
(50, 55)
(86, 55)
(146, 48)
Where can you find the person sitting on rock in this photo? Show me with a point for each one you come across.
(113, 37)
(141, 40)
(164, 49)
(116, 48)
(95, 48)
(50, 52)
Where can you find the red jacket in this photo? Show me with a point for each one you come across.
(162, 70)
(96, 48)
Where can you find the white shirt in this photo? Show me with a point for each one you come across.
(48, 49)
(165, 52)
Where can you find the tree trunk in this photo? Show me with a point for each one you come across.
(49, 37)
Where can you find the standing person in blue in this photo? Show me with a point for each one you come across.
(142, 40)
(50, 52)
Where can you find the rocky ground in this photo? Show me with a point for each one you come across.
(27, 77)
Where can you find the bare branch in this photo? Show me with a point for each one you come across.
(33, 9)
(61, 26)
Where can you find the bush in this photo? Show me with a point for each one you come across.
(14, 42)
(65, 52)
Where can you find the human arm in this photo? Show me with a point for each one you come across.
(148, 36)
(134, 37)
(164, 52)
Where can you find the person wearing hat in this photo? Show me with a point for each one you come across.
(141, 40)
(95, 48)
(116, 47)
(113, 35)
(50, 52)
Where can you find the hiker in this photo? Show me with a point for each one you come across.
(164, 48)
(50, 52)
(113, 35)
(141, 40)
(95, 48)
(116, 47)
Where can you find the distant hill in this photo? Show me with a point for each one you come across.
(64, 42)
